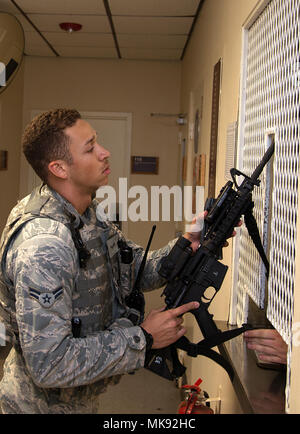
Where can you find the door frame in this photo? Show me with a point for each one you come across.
(127, 117)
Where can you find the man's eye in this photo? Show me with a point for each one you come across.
(91, 149)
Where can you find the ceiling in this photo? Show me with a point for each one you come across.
(124, 29)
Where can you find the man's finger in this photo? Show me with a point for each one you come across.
(181, 332)
(180, 310)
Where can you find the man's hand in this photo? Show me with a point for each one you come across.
(165, 326)
(268, 344)
(194, 232)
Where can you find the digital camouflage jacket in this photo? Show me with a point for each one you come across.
(43, 287)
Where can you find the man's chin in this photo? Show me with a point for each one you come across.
(94, 189)
(103, 182)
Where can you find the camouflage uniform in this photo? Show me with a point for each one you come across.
(42, 288)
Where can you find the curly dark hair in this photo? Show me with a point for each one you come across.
(44, 139)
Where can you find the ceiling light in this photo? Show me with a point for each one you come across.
(70, 27)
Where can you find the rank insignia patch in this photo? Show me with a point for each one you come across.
(46, 299)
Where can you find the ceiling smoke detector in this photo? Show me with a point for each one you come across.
(70, 27)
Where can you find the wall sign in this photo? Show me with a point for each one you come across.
(144, 165)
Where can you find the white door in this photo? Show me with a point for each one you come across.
(114, 133)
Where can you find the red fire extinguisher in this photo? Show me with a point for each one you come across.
(194, 402)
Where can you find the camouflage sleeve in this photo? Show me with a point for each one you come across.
(44, 269)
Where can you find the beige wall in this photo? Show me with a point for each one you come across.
(11, 117)
(117, 86)
(217, 34)
(294, 402)
(138, 87)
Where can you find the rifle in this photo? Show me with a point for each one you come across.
(189, 275)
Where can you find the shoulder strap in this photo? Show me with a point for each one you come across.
(255, 236)
(37, 202)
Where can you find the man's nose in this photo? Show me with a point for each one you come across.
(103, 153)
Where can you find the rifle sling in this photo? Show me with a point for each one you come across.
(252, 228)
(203, 347)
(220, 338)
(179, 369)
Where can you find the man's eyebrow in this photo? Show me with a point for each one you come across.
(92, 139)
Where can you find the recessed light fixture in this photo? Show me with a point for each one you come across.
(70, 27)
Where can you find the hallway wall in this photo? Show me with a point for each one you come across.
(217, 35)
(11, 123)
(136, 87)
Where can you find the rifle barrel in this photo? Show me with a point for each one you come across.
(263, 162)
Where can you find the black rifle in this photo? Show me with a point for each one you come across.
(189, 275)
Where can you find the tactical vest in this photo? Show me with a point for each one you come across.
(101, 287)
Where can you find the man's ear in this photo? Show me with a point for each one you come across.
(58, 169)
